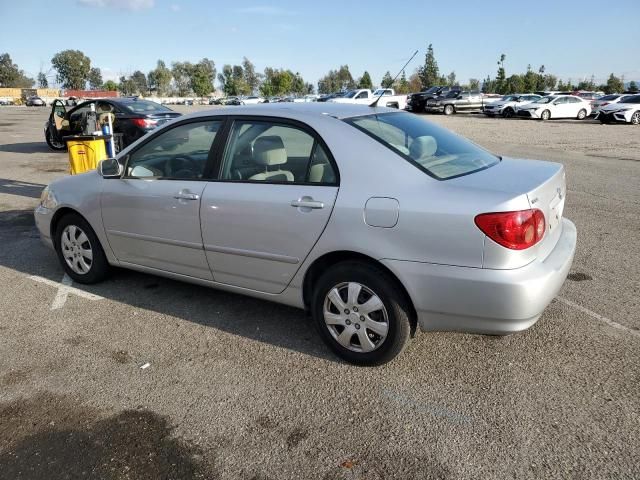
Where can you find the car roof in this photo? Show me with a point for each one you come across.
(295, 110)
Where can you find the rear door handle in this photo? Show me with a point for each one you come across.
(306, 202)
(183, 195)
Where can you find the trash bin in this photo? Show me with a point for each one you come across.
(85, 151)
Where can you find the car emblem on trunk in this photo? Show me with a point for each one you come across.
(559, 190)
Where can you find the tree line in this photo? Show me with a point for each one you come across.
(73, 71)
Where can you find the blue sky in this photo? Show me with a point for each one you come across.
(121, 36)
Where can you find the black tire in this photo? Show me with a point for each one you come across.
(99, 268)
(449, 109)
(546, 115)
(508, 112)
(52, 144)
(385, 288)
(582, 114)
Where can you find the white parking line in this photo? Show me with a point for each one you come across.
(64, 289)
(597, 316)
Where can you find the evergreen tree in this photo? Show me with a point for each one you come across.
(387, 80)
(429, 73)
(365, 81)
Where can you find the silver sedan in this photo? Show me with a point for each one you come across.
(375, 221)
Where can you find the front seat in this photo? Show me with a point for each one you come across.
(268, 152)
(423, 147)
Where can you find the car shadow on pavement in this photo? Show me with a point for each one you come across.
(255, 319)
(27, 147)
(22, 189)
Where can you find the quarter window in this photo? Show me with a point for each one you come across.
(275, 153)
(178, 153)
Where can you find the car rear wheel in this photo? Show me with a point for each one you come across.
(360, 313)
(53, 143)
(635, 118)
(508, 112)
(79, 250)
(546, 115)
(448, 109)
(582, 114)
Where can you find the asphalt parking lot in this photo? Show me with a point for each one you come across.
(234, 387)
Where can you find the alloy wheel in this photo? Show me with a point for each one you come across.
(76, 249)
(635, 118)
(356, 317)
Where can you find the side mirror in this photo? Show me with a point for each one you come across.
(110, 168)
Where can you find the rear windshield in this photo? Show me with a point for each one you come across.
(145, 106)
(434, 150)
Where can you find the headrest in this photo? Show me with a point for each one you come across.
(424, 146)
(269, 151)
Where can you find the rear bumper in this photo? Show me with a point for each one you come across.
(477, 300)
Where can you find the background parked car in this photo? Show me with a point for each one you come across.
(133, 118)
(596, 105)
(364, 96)
(507, 105)
(455, 101)
(556, 106)
(627, 110)
(328, 96)
(416, 102)
(35, 102)
(252, 100)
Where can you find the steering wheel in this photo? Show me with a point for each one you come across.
(181, 167)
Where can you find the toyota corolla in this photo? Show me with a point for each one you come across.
(375, 221)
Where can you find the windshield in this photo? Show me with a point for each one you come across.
(510, 98)
(350, 94)
(545, 100)
(145, 106)
(434, 150)
(452, 94)
(431, 90)
(631, 99)
(609, 97)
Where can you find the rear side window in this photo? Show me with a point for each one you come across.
(272, 152)
(434, 150)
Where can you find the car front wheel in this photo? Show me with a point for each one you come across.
(79, 250)
(361, 313)
(448, 109)
(635, 118)
(508, 112)
(546, 115)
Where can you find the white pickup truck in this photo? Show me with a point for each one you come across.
(365, 96)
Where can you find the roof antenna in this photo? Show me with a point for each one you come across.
(375, 102)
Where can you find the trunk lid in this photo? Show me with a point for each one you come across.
(163, 117)
(544, 185)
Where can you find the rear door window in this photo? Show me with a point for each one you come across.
(268, 151)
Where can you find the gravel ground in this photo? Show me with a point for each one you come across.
(240, 388)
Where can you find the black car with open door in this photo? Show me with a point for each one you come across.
(131, 117)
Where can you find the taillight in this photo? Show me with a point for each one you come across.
(515, 230)
(144, 122)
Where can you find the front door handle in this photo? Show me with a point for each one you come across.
(306, 203)
(185, 195)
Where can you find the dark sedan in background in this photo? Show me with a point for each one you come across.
(132, 118)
